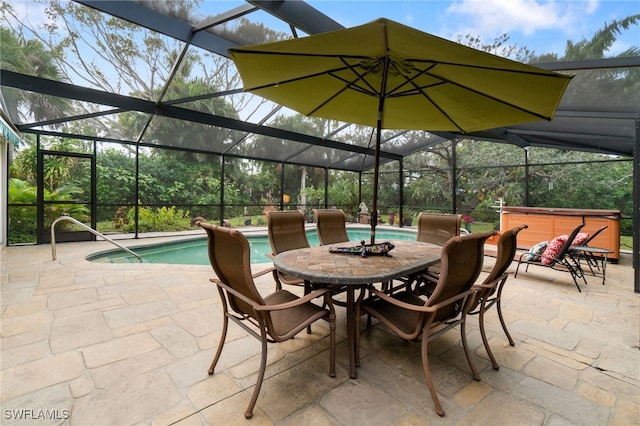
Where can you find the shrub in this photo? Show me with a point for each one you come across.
(161, 219)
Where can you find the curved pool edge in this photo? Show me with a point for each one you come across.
(158, 241)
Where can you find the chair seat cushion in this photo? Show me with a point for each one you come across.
(284, 321)
(289, 279)
(404, 319)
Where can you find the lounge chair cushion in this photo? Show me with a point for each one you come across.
(580, 238)
(536, 251)
(553, 248)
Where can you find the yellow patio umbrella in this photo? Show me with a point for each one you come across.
(389, 76)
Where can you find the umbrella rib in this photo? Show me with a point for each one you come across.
(533, 71)
(411, 80)
(512, 105)
(298, 54)
(421, 89)
(361, 77)
(332, 72)
(351, 85)
(348, 84)
(501, 101)
(291, 80)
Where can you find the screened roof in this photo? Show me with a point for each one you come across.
(181, 90)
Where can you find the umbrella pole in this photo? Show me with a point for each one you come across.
(376, 161)
(376, 172)
(376, 164)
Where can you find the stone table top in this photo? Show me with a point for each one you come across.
(317, 264)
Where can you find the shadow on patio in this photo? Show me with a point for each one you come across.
(93, 343)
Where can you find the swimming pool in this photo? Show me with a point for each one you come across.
(194, 251)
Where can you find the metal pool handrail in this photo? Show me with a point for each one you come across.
(82, 225)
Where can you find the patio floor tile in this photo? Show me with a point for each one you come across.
(130, 344)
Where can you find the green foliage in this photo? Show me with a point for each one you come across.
(601, 41)
(30, 57)
(314, 196)
(58, 170)
(487, 172)
(161, 219)
(21, 192)
(61, 195)
(343, 191)
(428, 178)
(606, 185)
(483, 226)
(499, 46)
(22, 219)
(177, 178)
(24, 164)
(22, 225)
(116, 179)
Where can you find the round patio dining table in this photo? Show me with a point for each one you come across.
(318, 266)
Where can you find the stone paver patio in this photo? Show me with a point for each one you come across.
(93, 343)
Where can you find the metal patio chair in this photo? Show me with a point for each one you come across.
(276, 317)
(331, 226)
(492, 287)
(412, 317)
(286, 232)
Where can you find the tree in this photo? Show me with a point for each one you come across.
(343, 191)
(116, 178)
(97, 50)
(595, 87)
(296, 178)
(483, 176)
(126, 58)
(22, 216)
(429, 177)
(57, 170)
(499, 46)
(479, 185)
(32, 58)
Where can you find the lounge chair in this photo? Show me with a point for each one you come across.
(276, 317)
(590, 258)
(493, 285)
(560, 261)
(411, 317)
(330, 226)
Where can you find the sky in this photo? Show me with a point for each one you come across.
(542, 26)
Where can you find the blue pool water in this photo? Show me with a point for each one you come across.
(194, 251)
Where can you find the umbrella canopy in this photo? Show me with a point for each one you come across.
(389, 76)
